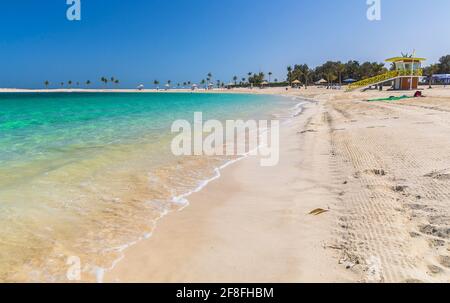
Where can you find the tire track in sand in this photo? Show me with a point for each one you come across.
(393, 224)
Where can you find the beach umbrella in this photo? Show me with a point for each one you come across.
(321, 81)
(349, 80)
(140, 86)
(265, 83)
(296, 82)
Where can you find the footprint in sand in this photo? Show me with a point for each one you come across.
(439, 175)
(433, 269)
(440, 232)
(444, 261)
(399, 188)
(377, 172)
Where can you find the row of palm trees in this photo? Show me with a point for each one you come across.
(207, 82)
(70, 83)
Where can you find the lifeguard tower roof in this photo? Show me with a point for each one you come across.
(405, 59)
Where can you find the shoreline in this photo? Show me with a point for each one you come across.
(183, 199)
(129, 90)
(248, 218)
(122, 272)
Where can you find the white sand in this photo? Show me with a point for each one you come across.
(367, 163)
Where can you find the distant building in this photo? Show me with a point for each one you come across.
(442, 79)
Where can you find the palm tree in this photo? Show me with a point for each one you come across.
(113, 80)
(104, 80)
(330, 77)
(46, 83)
(156, 83)
(62, 84)
(210, 76)
(289, 69)
(270, 75)
(88, 82)
(307, 74)
(203, 82)
(249, 78)
(235, 78)
(431, 71)
(340, 68)
(69, 83)
(116, 82)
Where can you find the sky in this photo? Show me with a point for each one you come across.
(139, 41)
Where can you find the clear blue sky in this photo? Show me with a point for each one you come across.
(138, 41)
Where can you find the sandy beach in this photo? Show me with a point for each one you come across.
(378, 173)
(379, 170)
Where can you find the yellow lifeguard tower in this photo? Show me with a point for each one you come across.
(405, 75)
(409, 71)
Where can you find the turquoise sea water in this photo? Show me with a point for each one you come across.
(85, 174)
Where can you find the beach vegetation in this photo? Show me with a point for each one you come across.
(334, 70)
(257, 79)
(444, 65)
